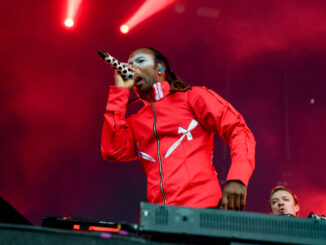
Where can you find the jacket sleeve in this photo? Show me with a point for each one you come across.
(117, 142)
(218, 116)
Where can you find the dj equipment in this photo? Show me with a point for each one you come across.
(70, 223)
(214, 226)
(164, 224)
(35, 235)
(316, 216)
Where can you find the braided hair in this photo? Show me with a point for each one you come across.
(176, 84)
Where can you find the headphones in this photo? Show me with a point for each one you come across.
(160, 69)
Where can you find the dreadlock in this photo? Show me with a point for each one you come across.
(176, 84)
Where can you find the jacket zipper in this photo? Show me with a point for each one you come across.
(158, 153)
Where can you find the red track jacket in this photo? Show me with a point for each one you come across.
(172, 136)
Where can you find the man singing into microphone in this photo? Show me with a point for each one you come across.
(172, 136)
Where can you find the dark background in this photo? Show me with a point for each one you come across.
(267, 58)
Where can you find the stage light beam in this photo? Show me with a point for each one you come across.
(149, 8)
(72, 8)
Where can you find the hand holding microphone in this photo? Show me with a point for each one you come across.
(121, 68)
(124, 74)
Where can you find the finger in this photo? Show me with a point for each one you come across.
(231, 202)
(125, 64)
(117, 77)
(224, 201)
(128, 66)
(238, 202)
(121, 82)
(131, 68)
(243, 201)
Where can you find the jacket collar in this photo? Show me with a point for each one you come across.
(159, 91)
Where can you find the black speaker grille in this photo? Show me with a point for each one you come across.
(289, 227)
(161, 216)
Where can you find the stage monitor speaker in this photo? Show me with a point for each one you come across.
(34, 235)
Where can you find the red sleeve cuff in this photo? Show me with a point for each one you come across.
(118, 99)
(241, 171)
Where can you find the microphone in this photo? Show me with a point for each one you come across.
(120, 68)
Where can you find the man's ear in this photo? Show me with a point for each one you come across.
(297, 209)
(160, 68)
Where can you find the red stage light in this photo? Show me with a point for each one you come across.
(72, 8)
(69, 22)
(124, 28)
(149, 8)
